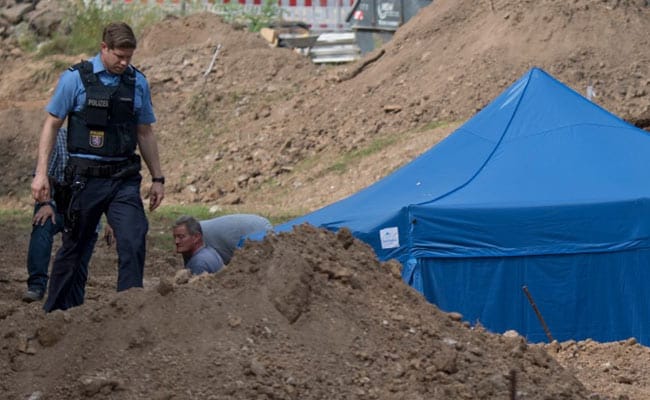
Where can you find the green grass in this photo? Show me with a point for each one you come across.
(160, 221)
(433, 125)
(27, 39)
(353, 157)
(168, 214)
(16, 218)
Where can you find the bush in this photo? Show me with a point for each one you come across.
(81, 29)
(255, 18)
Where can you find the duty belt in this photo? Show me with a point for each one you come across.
(101, 169)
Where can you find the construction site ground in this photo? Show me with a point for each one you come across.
(308, 314)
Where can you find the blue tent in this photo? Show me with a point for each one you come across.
(543, 189)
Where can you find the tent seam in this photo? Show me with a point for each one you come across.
(489, 157)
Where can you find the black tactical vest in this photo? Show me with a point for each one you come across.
(106, 125)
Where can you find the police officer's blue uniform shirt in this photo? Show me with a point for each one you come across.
(70, 94)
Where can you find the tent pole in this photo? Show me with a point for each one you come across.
(539, 315)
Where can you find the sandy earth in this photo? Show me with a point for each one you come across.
(309, 314)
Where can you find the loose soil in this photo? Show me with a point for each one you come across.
(308, 314)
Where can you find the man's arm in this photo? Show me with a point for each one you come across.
(149, 151)
(40, 183)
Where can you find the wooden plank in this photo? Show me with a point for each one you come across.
(270, 35)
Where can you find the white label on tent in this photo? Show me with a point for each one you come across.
(389, 238)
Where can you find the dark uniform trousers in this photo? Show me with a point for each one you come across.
(120, 200)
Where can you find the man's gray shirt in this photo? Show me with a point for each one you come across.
(224, 233)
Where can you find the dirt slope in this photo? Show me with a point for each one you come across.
(267, 123)
(309, 314)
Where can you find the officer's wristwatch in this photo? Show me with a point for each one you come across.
(159, 179)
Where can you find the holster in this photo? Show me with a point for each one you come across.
(61, 194)
(71, 186)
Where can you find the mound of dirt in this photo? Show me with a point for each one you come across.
(464, 53)
(301, 315)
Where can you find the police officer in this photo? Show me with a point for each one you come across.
(108, 106)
